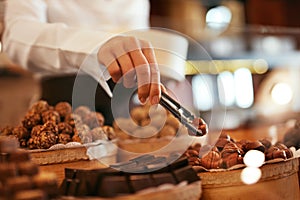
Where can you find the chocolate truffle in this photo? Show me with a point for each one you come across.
(63, 109)
(50, 115)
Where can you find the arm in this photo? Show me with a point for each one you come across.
(35, 44)
(32, 42)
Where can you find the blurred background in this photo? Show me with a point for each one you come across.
(254, 47)
(252, 74)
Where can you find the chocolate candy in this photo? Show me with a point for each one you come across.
(63, 109)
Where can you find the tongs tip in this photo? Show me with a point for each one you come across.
(196, 126)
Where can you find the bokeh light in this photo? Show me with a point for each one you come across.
(282, 93)
(254, 158)
(250, 175)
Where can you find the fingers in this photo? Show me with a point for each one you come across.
(143, 74)
(134, 61)
(155, 89)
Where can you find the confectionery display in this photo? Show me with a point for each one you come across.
(44, 126)
(147, 122)
(20, 178)
(227, 152)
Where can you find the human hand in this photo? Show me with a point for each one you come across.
(134, 61)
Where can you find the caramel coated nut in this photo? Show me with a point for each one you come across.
(63, 109)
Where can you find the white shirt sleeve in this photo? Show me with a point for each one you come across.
(33, 43)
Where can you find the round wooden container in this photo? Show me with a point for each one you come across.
(278, 181)
(89, 156)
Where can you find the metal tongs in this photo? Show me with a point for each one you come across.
(181, 113)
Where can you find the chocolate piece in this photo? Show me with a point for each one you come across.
(200, 125)
(221, 142)
(65, 128)
(50, 115)
(31, 119)
(231, 160)
(141, 181)
(21, 132)
(212, 160)
(186, 174)
(27, 168)
(120, 185)
(63, 109)
(64, 138)
(230, 148)
(49, 126)
(82, 134)
(278, 150)
(255, 145)
(35, 131)
(82, 111)
(73, 120)
(39, 107)
(267, 143)
(44, 140)
(162, 178)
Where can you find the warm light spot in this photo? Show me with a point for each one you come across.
(218, 17)
(254, 158)
(226, 88)
(243, 88)
(202, 91)
(282, 93)
(260, 66)
(250, 175)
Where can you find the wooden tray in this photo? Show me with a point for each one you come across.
(91, 156)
